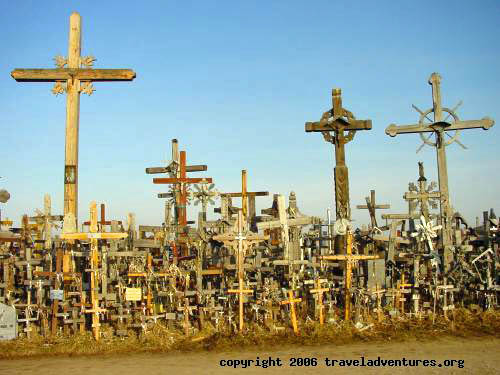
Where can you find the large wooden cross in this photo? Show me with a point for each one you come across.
(351, 261)
(94, 237)
(371, 206)
(439, 127)
(339, 120)
(73, 79)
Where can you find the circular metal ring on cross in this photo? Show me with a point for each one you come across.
(423, 123)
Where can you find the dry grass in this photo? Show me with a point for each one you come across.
(161, 339)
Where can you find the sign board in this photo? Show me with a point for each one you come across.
(57, 294)
(133, 294)
(8, 322)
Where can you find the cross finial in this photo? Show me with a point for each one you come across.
(337, 102)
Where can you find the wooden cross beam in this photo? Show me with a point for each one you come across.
(247, 197)
(291, 301)
(76, 80)
(172, 167)
(371, 206)
(94, 236)
(351, 261)
(439, 127)
(319, 297)
(241, 291)
(103, 220)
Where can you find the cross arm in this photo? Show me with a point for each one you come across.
(393, 130)
(89, 236)
(189, 168)
(180, 180)
(338, 124)
(248, 194)
(51, 75)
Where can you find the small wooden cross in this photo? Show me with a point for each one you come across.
(241, 291)
(94, 236)
(401, 286)
(247, 197)
(319, 297)
(378, 292)
(351, 261)
(103, 220)
(291, 301)
(371, 206)
(422, 194)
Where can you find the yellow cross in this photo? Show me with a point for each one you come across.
(320, 292)
(240, 291)
(291, 301)
(93, 236)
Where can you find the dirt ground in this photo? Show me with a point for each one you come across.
(479, 356)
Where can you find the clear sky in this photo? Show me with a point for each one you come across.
(235, 82)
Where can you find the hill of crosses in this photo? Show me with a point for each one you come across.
(278, 271)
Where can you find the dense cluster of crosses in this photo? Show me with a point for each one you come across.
(278, 269)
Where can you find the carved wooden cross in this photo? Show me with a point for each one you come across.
(319, 296)
(94, 237)
(339, 120)
(439, 127)
(351, 261)
(103, 220)
(291, 301)
(73, 80)
(247, 197)
(371, 206)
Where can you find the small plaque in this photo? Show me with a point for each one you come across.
(8, 322)
(133, 294)
(56, 294)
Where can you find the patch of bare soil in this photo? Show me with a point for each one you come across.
(470, 355)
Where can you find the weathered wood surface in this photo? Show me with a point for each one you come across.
(52, 75)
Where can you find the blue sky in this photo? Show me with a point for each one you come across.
(235, 82)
